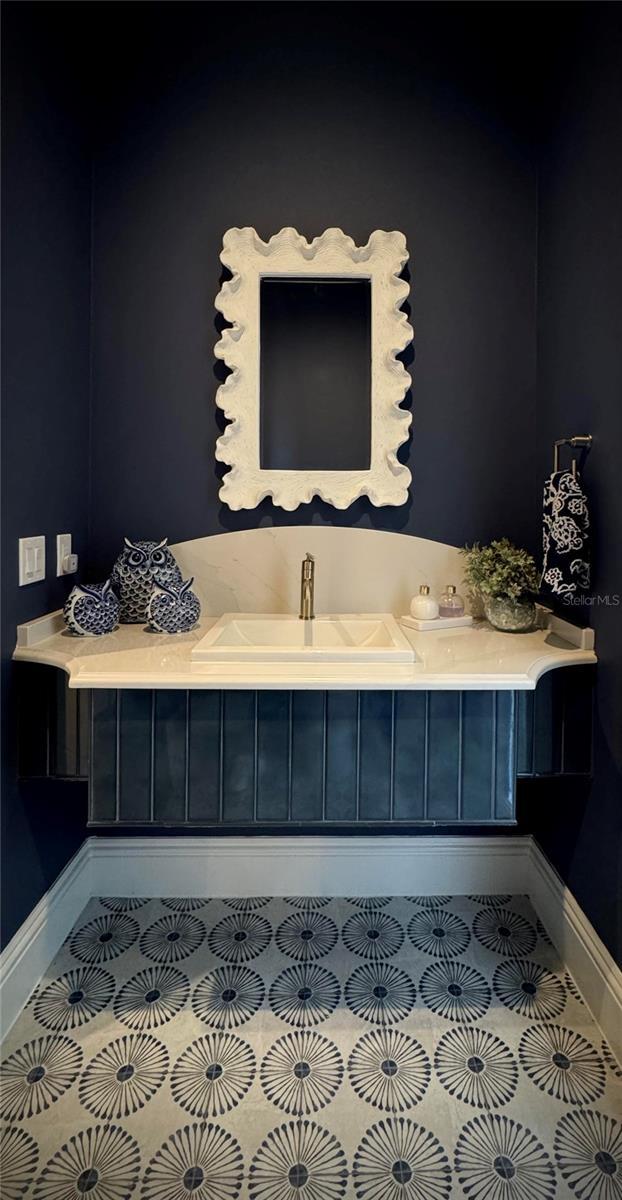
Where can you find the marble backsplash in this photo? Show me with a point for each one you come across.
(357, 570)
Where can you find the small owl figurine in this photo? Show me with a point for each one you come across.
(173, 608)
(138, 568)
(91, 609)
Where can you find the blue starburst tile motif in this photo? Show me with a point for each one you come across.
(304, 995)
(298, 1159)
(102, 1162)
(439, 932)
(400, 1160)
(373, 935)
(213, 1074)
(455, 991)
(610, 1059)
(309, 1048)
(172, 938)
(302, 1072)
(184, 904)
(19, 1154)
(247, 903)
(104, 938)
(37, 1075)
(240, 937)
(201, 1160)
(504, 932)
(529, 988)
(124, 904)
(124, 1076)
(73, 999)
(588, 1151)
(228, 997)
(476, 1067)
(151, 997)
(389, 1069)
(380, 993)
(497, 1158)
(306, 935)
(562, 1063)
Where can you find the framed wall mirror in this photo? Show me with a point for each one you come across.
(313, 398)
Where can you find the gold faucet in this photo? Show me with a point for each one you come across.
(307, 583)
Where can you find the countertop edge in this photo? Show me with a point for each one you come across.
(431, 681)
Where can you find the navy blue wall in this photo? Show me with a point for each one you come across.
(45, 355)
(394, 116)
(417, 117)
(580, 391)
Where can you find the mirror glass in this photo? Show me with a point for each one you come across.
(315, 374)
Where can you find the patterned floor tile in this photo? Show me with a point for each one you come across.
(309, 1048)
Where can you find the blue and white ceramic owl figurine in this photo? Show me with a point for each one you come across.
(173, 608)
(91, 609)
(138, 568)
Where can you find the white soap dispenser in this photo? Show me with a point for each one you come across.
(424, 607)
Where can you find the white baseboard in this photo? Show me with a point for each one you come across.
(597, 975)
(337, 866)
(313, 866)
(26, 957)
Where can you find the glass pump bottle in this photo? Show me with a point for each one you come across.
(450, 604)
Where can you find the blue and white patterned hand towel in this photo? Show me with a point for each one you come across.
(565, 536)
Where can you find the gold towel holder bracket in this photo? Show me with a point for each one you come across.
(579, 442)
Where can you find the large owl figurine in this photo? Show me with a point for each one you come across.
(137, 569)
(173, 608)
(91, 609)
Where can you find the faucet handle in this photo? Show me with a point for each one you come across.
(309, 557)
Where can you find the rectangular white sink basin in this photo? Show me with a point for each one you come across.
(345, 638)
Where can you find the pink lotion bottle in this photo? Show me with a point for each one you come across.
(450, 604)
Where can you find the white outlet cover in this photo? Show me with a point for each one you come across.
(63, 549)
(31, 560)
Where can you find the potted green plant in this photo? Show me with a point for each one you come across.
(505, 581)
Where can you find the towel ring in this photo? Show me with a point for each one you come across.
(584, 441)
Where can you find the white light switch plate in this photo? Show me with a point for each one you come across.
(31, 560)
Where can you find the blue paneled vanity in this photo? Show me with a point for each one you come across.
(238, 757)
(167, 740)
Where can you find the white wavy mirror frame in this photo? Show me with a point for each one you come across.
(332, 255)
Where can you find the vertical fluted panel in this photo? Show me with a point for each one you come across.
(204, 756)
(477, 757)
(239, 757)
(342, 742)
(525, 717)
(103, 790)
(169, 758)
(244, 758)
(409, 755)
(375, 756)
(135, 747)
(443, 766)
(273, 756)
(307, 767)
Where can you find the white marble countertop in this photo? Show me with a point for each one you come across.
(464, 659)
